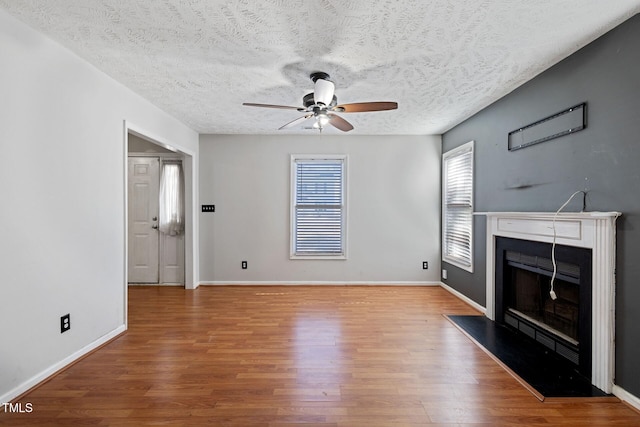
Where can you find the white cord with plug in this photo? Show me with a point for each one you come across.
(552, 293)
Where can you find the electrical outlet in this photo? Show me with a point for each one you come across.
(425, 265)
(65, 323)
(444, 274)
(244, 265)
(208, 208)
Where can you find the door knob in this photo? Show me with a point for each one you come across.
(154, 226)
(155, 218)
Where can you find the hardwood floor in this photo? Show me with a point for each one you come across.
(275, 356)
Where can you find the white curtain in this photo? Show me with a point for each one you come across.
(172, 198)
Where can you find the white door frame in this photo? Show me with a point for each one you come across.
(189, 166)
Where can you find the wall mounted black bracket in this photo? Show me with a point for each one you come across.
(565, 122)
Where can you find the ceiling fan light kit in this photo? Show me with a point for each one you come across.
(322, 103)
(323, 92)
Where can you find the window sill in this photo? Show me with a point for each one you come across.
(316, 257)
(457, 263)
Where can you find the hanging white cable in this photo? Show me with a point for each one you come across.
(552, 293)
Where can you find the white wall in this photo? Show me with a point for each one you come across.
(393, 209)
(62, 186)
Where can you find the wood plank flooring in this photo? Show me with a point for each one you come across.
(289, 355)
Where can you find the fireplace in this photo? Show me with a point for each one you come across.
(594, 232)
(523, 302)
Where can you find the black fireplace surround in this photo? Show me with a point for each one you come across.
(522, 284)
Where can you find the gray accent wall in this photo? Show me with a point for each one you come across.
(603, 159)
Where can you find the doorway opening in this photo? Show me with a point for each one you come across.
(157, 251)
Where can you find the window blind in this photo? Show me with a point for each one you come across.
(458, 206)
(318, 207)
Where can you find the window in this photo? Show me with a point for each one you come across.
(318, 206)
(457, 206)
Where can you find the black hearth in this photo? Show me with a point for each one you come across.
(523, 302)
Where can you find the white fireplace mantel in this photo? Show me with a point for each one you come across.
(592, 230)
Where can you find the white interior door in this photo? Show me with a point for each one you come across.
(143, 219)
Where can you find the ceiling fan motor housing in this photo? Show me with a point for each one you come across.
(319, 75)
(308, 101)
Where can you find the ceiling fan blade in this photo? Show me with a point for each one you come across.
(285, 107)
(323, 92)
(339, 122)
(363, 107)
(296, 121)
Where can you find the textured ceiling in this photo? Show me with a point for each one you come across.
(441, 60)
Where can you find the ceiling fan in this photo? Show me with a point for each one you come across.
(321, 104)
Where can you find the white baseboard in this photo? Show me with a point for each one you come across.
(625, 396)
(464, 298)
(331, 283)
(35, 380)
(156, 284)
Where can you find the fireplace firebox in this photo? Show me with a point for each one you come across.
(522, 284)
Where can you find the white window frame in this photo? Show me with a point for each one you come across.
(458, 261)
(318, 157)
